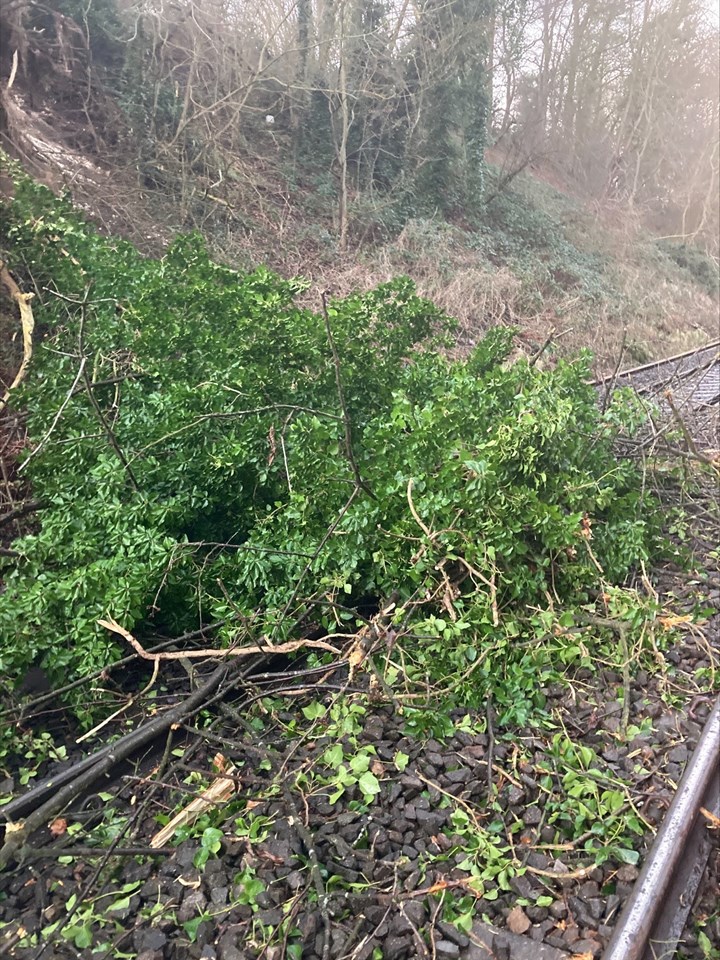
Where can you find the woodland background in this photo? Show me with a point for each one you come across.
(397, 101)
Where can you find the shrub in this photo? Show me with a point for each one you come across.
(202, 468)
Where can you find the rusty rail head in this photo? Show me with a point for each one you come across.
(700, 786)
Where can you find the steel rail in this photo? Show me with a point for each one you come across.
(654, 917)
(654, 364)
(676, 377)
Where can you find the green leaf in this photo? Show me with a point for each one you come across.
(122, 904)
(335, 795)
(359, 763)
(705, 945)
(401, 760)
(212, 839)
(333, 756)
(369, 785)
(191, 927)
(314, 711)
(625, 855)
(82, 936)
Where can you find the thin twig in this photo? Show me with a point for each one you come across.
(110, 434)
(343, 406)
(56, 418)
(306, 837)
(613, 380)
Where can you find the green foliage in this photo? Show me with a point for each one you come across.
(210, 844)
(23, 753)
(206, 476)
(487, 858)
(702, 268)
(513, 230)
(587, 800)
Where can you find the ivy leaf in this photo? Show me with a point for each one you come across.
(191, 927)
(369, 785)
(314, 711)
(211, 839)
(627, 856)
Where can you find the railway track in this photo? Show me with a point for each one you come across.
(654, 917)
(682, 392)
(692, 377)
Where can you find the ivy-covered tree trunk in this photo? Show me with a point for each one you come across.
(300, 111)
(452, 59)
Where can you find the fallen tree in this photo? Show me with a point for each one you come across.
(204, 450)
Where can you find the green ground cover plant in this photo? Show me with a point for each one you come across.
(206, 450)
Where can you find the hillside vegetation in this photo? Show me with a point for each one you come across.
(347, 144)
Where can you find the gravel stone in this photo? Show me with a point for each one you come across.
(592, 947)
(523, 886)
(627, 873)
(461, 775)
(679, 754)
(415, 910)
(204, 933)
(582, 912)
(219, 896)
(518, 921)
(186, 854)
(228, 949)
(396, 947)
(411, 785)
(450, 932)
(536, 914)
(446, 950)
(194, 902)
(571, 934)
(149, 938)
(430, 821)
(515, 796)
(611, 906)
(558, 909)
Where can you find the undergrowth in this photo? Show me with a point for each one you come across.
(205, 450)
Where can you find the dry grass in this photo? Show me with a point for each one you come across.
(256, 218)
